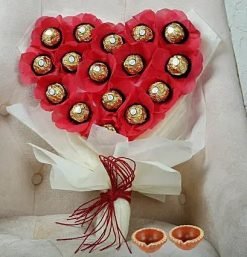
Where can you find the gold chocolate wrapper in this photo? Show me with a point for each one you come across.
(42, 65)
(133, 64)
(99, 72)
(83, 32)
(136, 114)
(80, 112)
(55, 93)
(110, 127)
(159, 92)
(174, 33)
(112, 42)
(112, 100)
(51, 37)
(71, 61)
(178, 65)
(142, 33)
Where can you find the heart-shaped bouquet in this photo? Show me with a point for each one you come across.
(124, 77)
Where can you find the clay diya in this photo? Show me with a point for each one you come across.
(186, 237)
(149, 240)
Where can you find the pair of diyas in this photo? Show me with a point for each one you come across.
(150, 240)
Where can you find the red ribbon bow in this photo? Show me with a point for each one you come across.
(121, 172)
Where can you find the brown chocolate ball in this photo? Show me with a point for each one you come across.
(70, 61)
(112, 42)
(83, 32)
(136, 114)
(99, 72)
(55, 93)
(51, 37)
(42, 65)
(142, 33)
(133, 64)
(80, 113)
(174, 33)
(178, 65)
(112, 100)
(159, 92)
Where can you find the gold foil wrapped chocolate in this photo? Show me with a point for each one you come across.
(159, 92)
(83, 32)
(178, 65)
(42, 64)
(55, 93)
(142, 33)
(80, 113)
(112, 100)
(110, 127)
(133, 64)
(112, 42)
(174, 33)
(51, 37)
(71, 60)
(136, 114)
(99, 72)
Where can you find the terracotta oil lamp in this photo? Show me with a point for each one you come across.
(186, 237)
(149, 240)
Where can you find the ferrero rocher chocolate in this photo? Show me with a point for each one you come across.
(110, 127)
(159, 92)
(42, 64)
(71, 61)
(80, 112)
(112, 42)
(83, 32)
(99, 72)
(136, 114)
(51, 37)
(142, 33)
(55, 93)
(112, 100)
(133, 64)
(178, 65)
(174, 33)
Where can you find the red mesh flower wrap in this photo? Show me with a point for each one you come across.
(67, 81)
(44, 23)
(146, 18)
(62, 119)
(145, 47)
(68, 48)
(83, 79)
(27, 74)
(185, 84)
(72, 22)
(192, 38)
(106, 29)
(154, 76)
(145, 51)
(138, 96)
(126, 89)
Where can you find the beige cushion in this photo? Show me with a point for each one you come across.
(36, 237)
(214, 181)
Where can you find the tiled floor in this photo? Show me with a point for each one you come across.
(237, 18)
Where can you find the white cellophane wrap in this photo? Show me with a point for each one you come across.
(75, 164)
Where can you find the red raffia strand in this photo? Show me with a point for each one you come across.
(121, 175)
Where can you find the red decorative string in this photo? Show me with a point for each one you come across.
(121, 172)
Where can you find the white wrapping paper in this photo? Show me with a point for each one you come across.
(75, 165)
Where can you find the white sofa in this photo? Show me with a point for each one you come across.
(214, 181)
